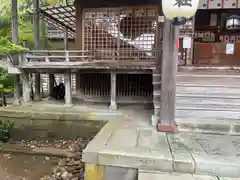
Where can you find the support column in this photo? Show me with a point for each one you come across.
(156, 73)
(66, 39)
(79, 91)
(169, 71)
(68, 88)
(79, 41)
(15, 41)
(51, 83)
(189, 55)
(36, 22)
(113, 104)
(26, 88)
(79, 26)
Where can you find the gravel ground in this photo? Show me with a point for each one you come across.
(26, 167)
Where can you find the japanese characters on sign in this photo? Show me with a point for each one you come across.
(181, 3)
(179, 8)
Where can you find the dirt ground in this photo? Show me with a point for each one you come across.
(25, 167)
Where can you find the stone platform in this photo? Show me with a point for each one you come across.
(136, 147)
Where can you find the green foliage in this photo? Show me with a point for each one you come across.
(6, 47)
(5, 130)
(6, 82)
(25, 22)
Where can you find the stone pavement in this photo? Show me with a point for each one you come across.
(178, 176)
(136, 144)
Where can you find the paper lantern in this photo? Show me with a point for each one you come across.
(179, 8)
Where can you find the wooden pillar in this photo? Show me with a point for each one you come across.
(113, 104)
(156, 73)
(189, 55)
(79, 40)
(68, 88)
(15, 41)
(79, 26)
(51, 82)
(26, 87)
(36, 22)
(66, 39)
(168, 86)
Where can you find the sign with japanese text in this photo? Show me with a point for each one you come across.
(179, 8)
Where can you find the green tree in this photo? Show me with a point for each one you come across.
(25, 28)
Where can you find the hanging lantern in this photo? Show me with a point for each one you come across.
(179, 10)
(233, 22)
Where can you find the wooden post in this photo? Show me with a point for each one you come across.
(44, 34)
(66, 39)
(36, 22)
(189, 55)
(51, 83)
(68, 88)
(156, 73)
(26, 87)
(113, 104)
(15, 41)
(79, 41)
(168, 86)
(79, 25)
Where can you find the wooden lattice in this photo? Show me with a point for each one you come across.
(120, 33)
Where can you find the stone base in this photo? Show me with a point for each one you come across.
(68, 105)
(167, 127)
(113, 107)
(154, 120)
(17, 103)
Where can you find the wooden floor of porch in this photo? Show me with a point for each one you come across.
(207, 94)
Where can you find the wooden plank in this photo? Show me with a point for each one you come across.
(207, 108)
(207, 101)
(207, 115)
(207, 90)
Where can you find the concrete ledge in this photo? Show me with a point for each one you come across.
(49, 115)
(136, 158)
(144, 175)
(90, 153)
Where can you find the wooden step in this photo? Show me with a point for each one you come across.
(196, 101)
(207, 90)
(207, 114)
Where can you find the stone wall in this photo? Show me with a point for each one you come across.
(28, 125)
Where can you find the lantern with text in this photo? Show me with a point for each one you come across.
(179, 10)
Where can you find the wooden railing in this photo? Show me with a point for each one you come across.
(88, 59)
(57, 56)
(96, 55)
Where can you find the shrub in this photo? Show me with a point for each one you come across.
(5, 130)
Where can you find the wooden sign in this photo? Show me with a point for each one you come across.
(219, 4)
(179, 8)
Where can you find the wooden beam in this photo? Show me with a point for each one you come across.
(168, 86)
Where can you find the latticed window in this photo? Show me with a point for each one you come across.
(120, 33)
